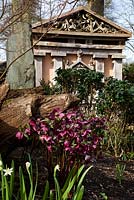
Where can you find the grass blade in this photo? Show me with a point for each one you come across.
(69, 178)
(81, 181)
(80, 193)
(51, 195)
(23, 195)
(11, 181)
(46, 192)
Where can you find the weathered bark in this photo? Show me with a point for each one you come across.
(3, 91)
(97, 6)
(21, 71)
(15, 112)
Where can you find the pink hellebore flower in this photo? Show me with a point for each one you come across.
(63, 133)
(38, 132)
(67, 145)
(86, 132)
(61, 115)
(49, 148)
(87, 157)
(19, 135)
(70, 114)
(77, 146)
(27, 131)
(45, 138)
(32, 123)
(95, 140)
(44, 128)
(54, 113)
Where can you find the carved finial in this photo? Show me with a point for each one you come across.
(92, 63)
(79, 54)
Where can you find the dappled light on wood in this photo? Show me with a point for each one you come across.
(20, 105)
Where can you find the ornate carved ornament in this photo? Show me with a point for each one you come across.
(84, 22)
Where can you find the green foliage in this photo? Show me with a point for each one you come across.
(130, 156)
(103, 196)
(49, 88)
(81, 82)
(115, 102)
(120, 169)
(117, 96)
(24, 195)
(72, 188)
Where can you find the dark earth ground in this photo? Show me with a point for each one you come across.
(100, 180)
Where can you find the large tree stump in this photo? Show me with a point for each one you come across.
(21, 105)
(4, 88)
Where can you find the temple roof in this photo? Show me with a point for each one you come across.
(81, 21)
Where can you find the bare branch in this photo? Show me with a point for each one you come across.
(35, 43)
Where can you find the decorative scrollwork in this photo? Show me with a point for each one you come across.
(84, 22)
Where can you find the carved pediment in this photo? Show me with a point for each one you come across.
(79, 65)
(84, 22)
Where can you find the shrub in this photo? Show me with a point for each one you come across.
(81, 82)
(115, 102)
(49, 88)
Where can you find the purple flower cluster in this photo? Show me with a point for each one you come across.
(70, 133)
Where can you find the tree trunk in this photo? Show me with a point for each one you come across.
(21, 71)
(96, 6)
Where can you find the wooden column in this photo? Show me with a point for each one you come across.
(117, 69)
(57, 63)
(100, 65)
(38, 70)
(99, 58)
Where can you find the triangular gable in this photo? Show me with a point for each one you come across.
(84, 21)
(79, 65)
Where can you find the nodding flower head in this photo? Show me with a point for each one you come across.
(19, 135)
(27, 165)
(57, 167)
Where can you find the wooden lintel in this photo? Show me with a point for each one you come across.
(118, 56)
(73, 45)
(100, 55)
(85, 34)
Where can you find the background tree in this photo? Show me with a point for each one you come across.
(97, 6)
(122, 13)
(21, 72)
(20, 57)
(128, 72)
(16, 18)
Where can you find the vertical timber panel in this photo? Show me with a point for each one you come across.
(117, 69)
(38, 70)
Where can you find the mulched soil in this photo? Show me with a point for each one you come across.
(100, 182)
(102, 179)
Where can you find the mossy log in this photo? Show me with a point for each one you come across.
(20, 105)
